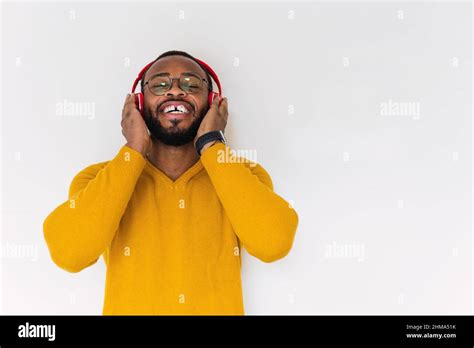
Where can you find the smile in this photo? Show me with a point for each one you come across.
(176, 108)
(180, 109)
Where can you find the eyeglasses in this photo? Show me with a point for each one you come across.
(159, 84)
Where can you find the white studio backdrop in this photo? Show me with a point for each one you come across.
(360, 112)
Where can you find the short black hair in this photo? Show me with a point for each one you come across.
(178, 53)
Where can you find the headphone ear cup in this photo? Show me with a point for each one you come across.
(139, 102)
(211, 97)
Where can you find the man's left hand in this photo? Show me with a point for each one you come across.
(214, 120)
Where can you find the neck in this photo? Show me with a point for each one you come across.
(173, 160)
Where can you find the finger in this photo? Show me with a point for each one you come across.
(130, 99)
(223, 109)
(129, 104)
(215, 102)
(223, 103)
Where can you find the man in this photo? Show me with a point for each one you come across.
(170, 222)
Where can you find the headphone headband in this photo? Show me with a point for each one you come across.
(212, 73)
(203, 64)
(140, 75)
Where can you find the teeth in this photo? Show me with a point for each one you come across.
(182, 108)
(178, 109)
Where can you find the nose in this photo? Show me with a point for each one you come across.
(175, 90)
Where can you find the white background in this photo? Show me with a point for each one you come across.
(384, 201)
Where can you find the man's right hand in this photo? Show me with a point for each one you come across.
(134, 127)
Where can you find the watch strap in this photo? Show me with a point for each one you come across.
(208, 137)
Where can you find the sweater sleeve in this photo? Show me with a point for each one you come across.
(263, 221)
(79, 230)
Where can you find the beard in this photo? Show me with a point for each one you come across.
(173, 136)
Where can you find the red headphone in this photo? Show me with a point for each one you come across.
(210, 96)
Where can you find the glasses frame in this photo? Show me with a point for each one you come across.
(172, 80)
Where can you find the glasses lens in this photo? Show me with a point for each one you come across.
(159, 84)
(190, 83)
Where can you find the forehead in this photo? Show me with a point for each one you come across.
(175, 65)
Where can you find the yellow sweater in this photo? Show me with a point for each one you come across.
(170, 247)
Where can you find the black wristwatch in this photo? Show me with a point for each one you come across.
(208, 137)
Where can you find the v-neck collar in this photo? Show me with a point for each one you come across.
(182, 180)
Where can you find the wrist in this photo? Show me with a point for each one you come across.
(208, 139)
(137, 147)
